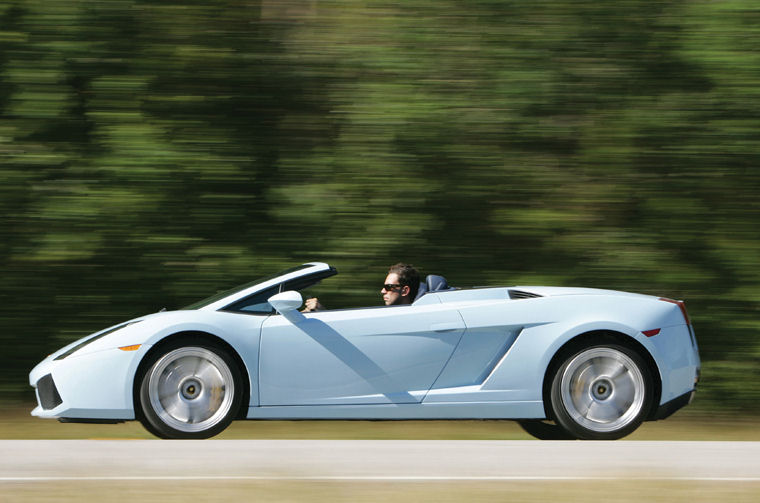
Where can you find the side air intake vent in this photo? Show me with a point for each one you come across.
(518, 294)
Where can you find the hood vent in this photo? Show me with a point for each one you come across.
(519, 294)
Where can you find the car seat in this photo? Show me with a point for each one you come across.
(433, 283)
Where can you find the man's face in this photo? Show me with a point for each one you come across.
(393, 292)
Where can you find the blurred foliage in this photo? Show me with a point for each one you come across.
(152, 153)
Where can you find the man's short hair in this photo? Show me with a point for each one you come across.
(407, 276)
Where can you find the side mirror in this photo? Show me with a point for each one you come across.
(286, 302)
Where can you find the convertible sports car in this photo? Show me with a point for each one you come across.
(565, 362)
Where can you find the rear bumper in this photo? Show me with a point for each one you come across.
(668, 408)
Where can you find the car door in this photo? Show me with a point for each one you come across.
(356, 356)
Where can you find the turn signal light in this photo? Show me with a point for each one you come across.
(133, 347)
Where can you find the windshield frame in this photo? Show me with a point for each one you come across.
(225, 298)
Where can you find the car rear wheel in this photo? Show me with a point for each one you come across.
(189, 391)
(601, 392)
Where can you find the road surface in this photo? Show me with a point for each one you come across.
(29, 461)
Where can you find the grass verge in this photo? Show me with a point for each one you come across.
(16, 423)
(335, 492)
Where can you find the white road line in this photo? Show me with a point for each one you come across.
(379, 478)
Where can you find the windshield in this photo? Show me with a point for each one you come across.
(221, 295)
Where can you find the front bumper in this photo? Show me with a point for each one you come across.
(92, 386)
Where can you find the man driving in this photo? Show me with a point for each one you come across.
(400, 288)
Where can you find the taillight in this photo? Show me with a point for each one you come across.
(681, 305)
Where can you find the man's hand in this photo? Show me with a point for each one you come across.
(312, 305)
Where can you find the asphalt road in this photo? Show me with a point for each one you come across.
(348, 460)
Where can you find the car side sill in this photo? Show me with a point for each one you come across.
(448, 410)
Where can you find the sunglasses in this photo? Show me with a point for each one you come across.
(390, 287)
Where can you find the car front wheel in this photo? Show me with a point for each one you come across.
(601, 392)
(189, 391)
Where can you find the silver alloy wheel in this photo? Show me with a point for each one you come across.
(603, 389)
(191, 389)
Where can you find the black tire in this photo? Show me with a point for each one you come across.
(544, 430)
(601, 392)
(189, 389)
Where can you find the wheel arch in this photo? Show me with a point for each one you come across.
(596, 337)
(200, 337)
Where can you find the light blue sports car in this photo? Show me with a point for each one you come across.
(564, 362)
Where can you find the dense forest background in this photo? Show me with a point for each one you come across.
(152, 153)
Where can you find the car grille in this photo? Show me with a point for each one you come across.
(48, 393)
(518, 294)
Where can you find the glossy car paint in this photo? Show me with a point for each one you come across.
(452, 354)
